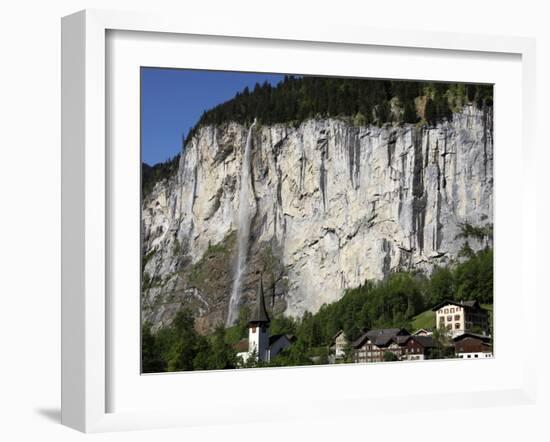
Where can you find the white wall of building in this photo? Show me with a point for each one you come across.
(453, 315)
(474, 355)
(258, 342)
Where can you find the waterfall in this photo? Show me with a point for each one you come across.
(243, 230)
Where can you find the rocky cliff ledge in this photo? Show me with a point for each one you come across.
(333, 205)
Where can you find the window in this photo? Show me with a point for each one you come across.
(457, 326)
(457, 317)
(452, 310)
(469, 356)
(449, 318)
(449, 326)
(476, 356)
(446, 310)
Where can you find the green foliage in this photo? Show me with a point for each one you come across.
(400, 301)
(442, 285)
(180, 348)
(471, 279)
(252, 361)
(365, 101)
(390, 356)
(466, 251)
(219, 248)
(283, 325)
(443, 348)
(145, 281)
(489, 308)
(390, 303)
(480, 233)
(474, 278)
(150, 175)
(176, 247)
(220, 354)
(151, 357)
(425, 320)
(204, 274)
(362, 101)
(299, 353)
(409, 112)
(240, 330)
(184, 347)
(430, 112)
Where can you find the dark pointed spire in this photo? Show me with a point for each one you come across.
(259, 313)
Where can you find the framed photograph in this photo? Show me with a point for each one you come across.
(291, 212)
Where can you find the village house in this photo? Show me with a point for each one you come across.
(415, 347)
(472, 346)
(459, 317)
(422, 332)
(339, 344)
(371, 346)
(260, 344)
(374, 344)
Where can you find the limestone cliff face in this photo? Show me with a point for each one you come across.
(333, 205)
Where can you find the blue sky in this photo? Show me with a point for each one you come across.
(172, 101)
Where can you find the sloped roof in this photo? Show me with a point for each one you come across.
(401, 339)
(382, 337)
(466, 304)
(275, 338)
(424, 341)
(259, 313)
(360, 340)
(338, 333)
(471, 335)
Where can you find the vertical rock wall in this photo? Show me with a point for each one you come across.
(336, 204)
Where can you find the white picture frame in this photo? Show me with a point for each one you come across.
(86, 315)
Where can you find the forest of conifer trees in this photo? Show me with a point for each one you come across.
(362, 101)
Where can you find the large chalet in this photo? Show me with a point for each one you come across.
(458, 317)
(472, 346)
(373, 345)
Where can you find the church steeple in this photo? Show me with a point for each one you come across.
(259, 314)
(258, 327)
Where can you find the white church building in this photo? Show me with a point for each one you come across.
(260, 344)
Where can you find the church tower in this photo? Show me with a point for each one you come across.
(258, 327)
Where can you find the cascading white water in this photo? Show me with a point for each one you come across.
(243, 230)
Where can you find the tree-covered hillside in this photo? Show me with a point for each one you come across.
(366, 101)
(362, 101)
(393, 302)
(160, 171)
